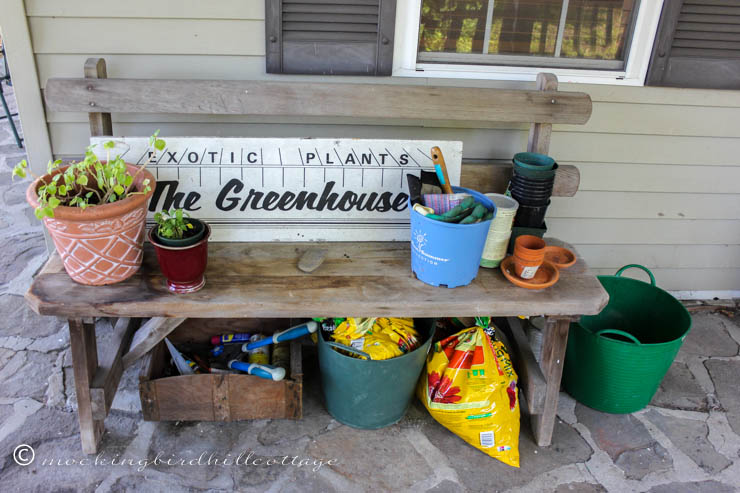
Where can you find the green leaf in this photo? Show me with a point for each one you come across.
(48, 212)
(54, 202)
(62, 190)
(118, 189)
(88, 195)
(153, 137)
(109, 145)
(128, 181)
(19, 171)
(51, 188)
(39, 213)
(82, 180)
(56, 178)
(159, 144)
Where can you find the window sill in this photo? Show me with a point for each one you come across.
(579, 76)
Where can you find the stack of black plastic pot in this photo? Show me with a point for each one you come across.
(531, 185)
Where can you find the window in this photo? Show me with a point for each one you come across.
(580, 40)
(526, 32)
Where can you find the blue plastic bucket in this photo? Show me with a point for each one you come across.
(447, 253)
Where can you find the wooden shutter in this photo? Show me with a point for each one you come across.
(327, 37)
(698, 45)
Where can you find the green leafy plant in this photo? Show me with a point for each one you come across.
(172, 224)
(88, 182)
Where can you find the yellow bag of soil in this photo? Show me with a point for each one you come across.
(380, 338)
(469, 386)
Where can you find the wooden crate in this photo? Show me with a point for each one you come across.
(218, 397)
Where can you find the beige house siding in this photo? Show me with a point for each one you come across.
(660, 168)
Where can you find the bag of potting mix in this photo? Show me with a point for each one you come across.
(380, 338)
(470, 387)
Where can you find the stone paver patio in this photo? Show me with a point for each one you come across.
(688, 440)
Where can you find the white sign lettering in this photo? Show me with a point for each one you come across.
(288, 189)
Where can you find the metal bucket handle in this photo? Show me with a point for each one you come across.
(652, 277)
(350, 349)
(619, 332)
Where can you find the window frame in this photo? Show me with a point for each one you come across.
(405, 62)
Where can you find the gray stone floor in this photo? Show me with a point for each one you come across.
(688, 440)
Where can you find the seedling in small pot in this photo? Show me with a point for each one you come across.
(181, 243)
(173, 224)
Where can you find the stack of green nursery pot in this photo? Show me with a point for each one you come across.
(531, 186)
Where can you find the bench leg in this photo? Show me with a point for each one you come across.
(552, 359)
(85, 364)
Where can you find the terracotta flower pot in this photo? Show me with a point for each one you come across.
(529, 253)
(183, 266)
(103, 243)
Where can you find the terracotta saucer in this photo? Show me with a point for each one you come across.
(561, 257)
(546, 275)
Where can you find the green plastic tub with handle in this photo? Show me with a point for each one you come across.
(616, 360)
(371, 394)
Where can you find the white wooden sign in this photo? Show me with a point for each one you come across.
(252, 189)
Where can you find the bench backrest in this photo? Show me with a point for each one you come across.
(465, 107)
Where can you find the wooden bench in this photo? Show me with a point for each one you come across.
(247, 280)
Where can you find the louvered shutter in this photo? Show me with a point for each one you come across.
(327, 37)
(698, 45)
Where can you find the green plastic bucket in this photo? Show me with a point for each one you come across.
(371, 394)
(616, 360)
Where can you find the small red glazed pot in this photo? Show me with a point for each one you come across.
(184, 267)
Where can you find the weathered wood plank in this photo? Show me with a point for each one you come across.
(539, 133)
(108, 375)
(495, 177)
(100, 123)
(531, 380)
(149, 335)
(296, 362)
(84, 364)
(219, 397)
(262, 280)
(316, 99)
(221, 411)
(551, 361)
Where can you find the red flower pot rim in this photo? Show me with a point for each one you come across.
(94, 212)
(150, 237)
